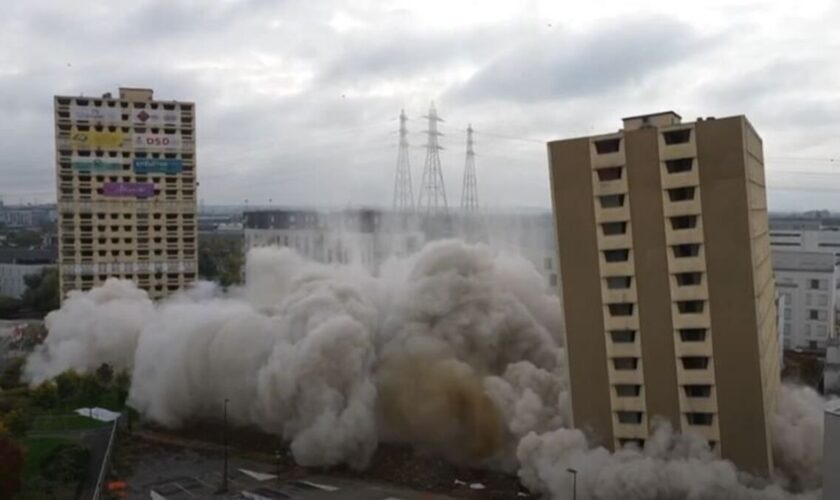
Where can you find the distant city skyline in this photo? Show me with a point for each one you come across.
(299, 101)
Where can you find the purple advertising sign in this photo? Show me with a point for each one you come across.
(136, 189)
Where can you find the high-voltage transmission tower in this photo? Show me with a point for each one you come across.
(432, 197)
(469, 191)
(403, 193)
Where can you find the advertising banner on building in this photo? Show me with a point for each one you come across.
(155, 116)
(94, 139)
(95, 114)
(95, 165)
(129, 189)
(158, 166)
(163, 142)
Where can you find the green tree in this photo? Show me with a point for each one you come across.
(104, 374)
(45, 396)
(42, 292)
(11, 458)
(66, 464)
(122, 384)
(9, 307)
(90, 391)
(68, 386)
(17, 421)
(221, 260)
(10, 377)
(23, 238)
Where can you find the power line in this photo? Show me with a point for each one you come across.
(403, 193)
(469, 190)
(432, 197)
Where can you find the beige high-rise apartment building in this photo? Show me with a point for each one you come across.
(667, 282)
(126, 175)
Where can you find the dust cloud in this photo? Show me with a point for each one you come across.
(456, 350)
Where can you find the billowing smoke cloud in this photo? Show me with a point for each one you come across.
(455, 349)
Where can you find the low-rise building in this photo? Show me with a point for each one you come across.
(362, 236)
(806, 283)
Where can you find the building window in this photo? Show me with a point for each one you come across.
(552, 280)
(613, 228)
(814, 284)
(619, 255)
(629, 417)
(695, 362)
(679, 165)
(611, 200)
(622, 309)
(698, 391)
(605, 146)
(693, 334)
(681, 193)
(699, 418)
(623, 336)
(631, 443)
(628, 390)
(683, 222)
(688, 279)
(547, 263)
(623, 364)
(813, 314)
(609, 173)
(690, 306)
(677, 136)
(618, 282)
(686, 250)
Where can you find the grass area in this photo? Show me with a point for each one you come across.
(72, 421)
(38, 448)
(39, 484)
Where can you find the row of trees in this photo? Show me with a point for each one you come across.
(221, 260)
(20, 405)
(41, 296)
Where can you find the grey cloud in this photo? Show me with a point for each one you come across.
(286, 105)
(565, 65)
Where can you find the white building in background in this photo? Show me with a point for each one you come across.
(796, 244)
(806, 283)
(370, 236)
(351, 236)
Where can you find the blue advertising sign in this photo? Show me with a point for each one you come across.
(157, 166)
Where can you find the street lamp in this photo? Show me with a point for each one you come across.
(224, 487)
(574, 482)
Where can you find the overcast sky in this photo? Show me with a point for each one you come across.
(297, 101)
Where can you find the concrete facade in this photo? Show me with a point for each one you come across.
(831, 368)
(806, 281)
(831, 452)
(126, 176)
(667, 283)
